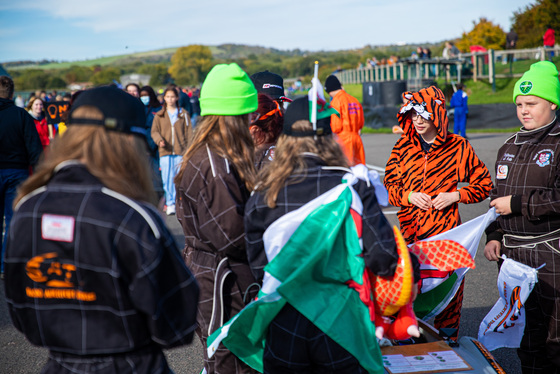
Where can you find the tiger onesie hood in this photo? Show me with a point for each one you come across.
(449, 161)
(429, 103)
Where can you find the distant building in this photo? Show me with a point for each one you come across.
(139, 79)
(77, 86)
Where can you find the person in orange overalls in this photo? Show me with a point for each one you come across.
(349, 125)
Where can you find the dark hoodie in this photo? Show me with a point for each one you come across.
(449, 161)
(20, 146)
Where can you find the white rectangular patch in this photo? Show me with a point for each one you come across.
(58, 228)
(502, 172)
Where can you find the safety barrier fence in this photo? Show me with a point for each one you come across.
(476, 65)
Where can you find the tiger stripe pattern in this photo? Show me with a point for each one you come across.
(450, 160)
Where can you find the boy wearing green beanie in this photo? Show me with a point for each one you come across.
(527, 197)
(213, 184)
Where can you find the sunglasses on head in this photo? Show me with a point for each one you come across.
(256, 116)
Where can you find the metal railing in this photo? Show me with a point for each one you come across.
(476, 65)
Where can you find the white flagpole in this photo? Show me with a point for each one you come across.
(314, 97)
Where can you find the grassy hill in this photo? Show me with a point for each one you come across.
(156, 56)
(288, 63)
(220, 52)
(223, 51)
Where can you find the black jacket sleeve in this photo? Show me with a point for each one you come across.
(254, 230)
(380, 249)
(165, 290)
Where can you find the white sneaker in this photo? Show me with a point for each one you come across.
(170, 210)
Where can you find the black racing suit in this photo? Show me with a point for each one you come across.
(96, 278)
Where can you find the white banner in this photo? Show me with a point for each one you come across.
(503, 326)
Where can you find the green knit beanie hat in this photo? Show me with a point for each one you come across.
(541, 80)
(228, 91)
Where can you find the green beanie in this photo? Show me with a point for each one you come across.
(541, 80)
(228, 91)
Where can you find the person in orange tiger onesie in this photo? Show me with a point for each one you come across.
(422, 174)
(349, 124)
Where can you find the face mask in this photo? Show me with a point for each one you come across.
(145, 99)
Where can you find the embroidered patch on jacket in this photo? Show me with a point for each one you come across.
(502, 172)
(58, 228)
(508, 157)
(544, 157)
(525, 87)
(270, 153)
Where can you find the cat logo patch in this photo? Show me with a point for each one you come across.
(54, 278)
(502, 172)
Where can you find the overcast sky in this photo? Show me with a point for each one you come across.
(78, 30)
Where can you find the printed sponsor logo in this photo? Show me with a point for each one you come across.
(353, 108)
(511, 314)
(55, 109)
(502, 172)
(58, 277)
(268, 85)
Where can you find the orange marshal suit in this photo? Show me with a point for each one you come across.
(348, 126)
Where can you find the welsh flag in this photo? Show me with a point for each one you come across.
(309, 268)
(438, 287)
(324, 109)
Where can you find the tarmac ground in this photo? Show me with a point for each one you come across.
(17, 355)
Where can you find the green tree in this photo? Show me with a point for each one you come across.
(77, 73)
(56, 82)
(530, 23)
(32, 79)
(189, 65)
(106, 76)
(484, 33)
(158, 72)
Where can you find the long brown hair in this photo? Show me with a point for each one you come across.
(289, 159)
(32, 101)
(228, 136)
(118, 160)
(175, 91)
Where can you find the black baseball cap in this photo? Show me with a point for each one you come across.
(121, 111)
(271, 84)
(299, 110)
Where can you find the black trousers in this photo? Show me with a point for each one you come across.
(146, 360)
(295, 345)
(539, 351)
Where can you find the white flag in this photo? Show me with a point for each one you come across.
(503, 326)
